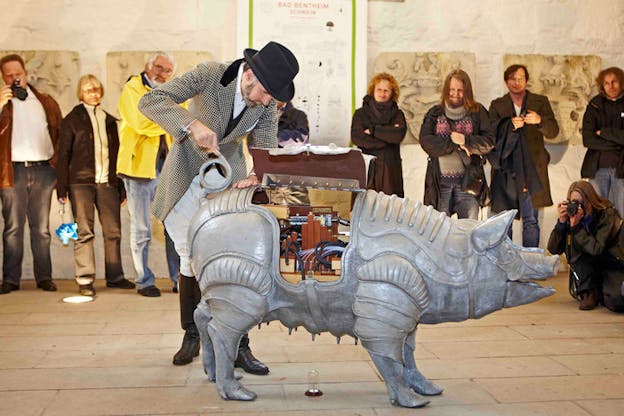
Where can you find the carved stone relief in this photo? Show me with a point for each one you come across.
(569, 83)
(53, 72)
(122, 65)
(421, 77)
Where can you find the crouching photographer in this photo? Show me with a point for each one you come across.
(589, 233)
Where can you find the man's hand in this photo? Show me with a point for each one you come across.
(532, 118)
(5, 95)
(204, 136)
(251, 180)
(367, 131)
(465, 149)
(518, 122)
(458, 138)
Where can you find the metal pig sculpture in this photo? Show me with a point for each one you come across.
(405, 263)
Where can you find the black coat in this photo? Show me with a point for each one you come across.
(386, 171)
(480, 143)
(76, 153)
(292, 125)
(608, 117)
(512, 168)
(503, 108)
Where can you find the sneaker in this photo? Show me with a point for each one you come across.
(87, 290)
(121, 284)
(149, 291)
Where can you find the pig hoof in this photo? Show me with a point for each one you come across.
(407, 398)
(210, 372)
(412, 403)
(235, 391)
(432, 390)
(421, 384)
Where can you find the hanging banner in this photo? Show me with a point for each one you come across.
(328, 37)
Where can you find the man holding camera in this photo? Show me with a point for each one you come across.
(29, 132)
(521, 120)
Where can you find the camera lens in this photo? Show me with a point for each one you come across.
(572, 207)
(19, 92)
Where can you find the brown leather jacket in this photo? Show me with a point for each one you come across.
(53, 117)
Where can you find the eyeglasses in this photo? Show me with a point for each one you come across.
(161, 68)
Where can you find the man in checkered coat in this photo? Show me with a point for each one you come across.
(228, 102)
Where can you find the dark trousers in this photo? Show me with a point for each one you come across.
(603, 274)
(84, 200)
(29, 198)
(530, 225)
(454, 200)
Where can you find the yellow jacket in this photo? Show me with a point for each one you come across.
(139, 137)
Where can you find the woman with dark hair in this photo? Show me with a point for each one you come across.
(86, 174)
(455, 134)
(589, 233)
(378, 128)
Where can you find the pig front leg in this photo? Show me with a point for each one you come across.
(414, 377)
(388, 303)
(399, 391)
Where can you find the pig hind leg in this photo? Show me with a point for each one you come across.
(414, 377)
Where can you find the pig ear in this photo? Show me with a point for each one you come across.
(490, 232)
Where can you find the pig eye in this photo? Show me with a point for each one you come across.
(503, 254)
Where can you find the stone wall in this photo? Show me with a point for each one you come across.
(486, 29)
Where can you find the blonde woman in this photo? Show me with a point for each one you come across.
(86, 175)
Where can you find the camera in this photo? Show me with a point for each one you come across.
(572, 207)
(18, 91)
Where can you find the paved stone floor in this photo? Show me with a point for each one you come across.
(113, 357)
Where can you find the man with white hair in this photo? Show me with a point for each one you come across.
(143, 147)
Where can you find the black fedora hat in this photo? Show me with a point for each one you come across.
(275, 66)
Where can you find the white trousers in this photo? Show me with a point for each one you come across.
(178, 222)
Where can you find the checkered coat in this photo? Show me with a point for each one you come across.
(211, 88)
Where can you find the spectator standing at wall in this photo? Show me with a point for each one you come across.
(520, 180)
(378, 128)
(29, 132)
(143, 148)
(456, 134)
(86, 175)
(603, 135)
